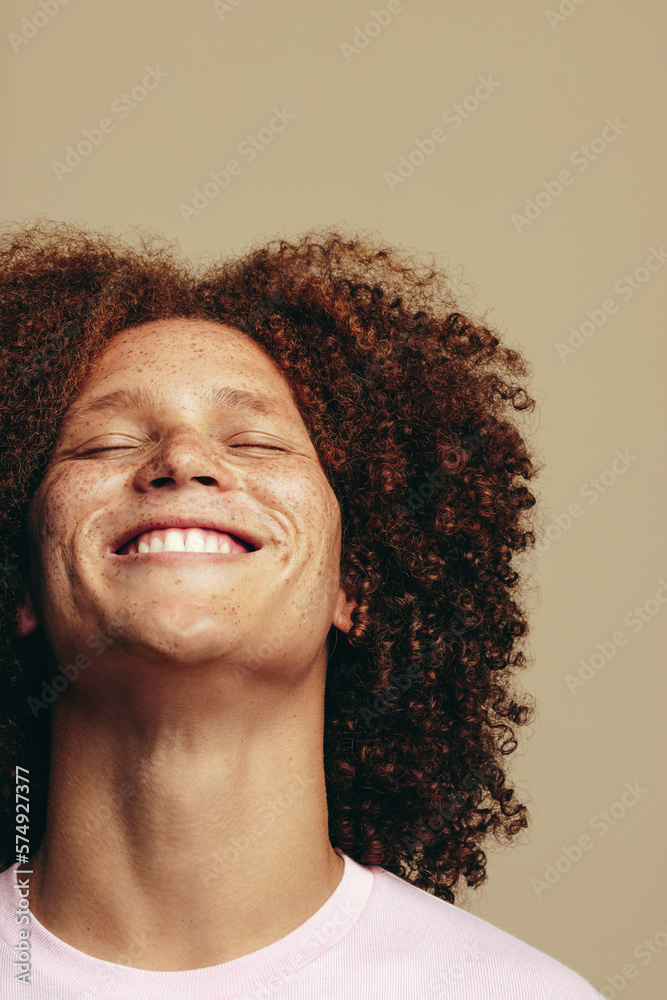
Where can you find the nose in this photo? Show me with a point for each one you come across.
(184, 456)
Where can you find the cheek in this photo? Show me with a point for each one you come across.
(319, 517)
(59, 505)
(304, 496)
(295, 485)
(69, 489)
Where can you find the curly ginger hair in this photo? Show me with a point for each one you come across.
(411, 407)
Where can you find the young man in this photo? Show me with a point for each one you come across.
(261, 637)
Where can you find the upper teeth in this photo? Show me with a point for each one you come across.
(183, 540)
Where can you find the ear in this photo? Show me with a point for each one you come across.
(342, 617)
(25, 617)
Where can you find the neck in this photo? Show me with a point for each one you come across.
(168, 842)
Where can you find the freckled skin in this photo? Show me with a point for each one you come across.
(216, 682)
(84, 502)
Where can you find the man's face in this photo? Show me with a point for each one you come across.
(179, 455)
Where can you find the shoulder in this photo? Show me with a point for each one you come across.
(467, 955)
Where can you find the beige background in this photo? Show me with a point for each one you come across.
(554, 84)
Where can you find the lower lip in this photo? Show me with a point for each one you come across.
(180, 557)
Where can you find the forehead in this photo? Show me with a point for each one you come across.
(200, 361)
(179, 349)
(159, 339)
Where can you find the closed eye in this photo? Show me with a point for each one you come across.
(120, 447)
(114, 447)
(272, 446)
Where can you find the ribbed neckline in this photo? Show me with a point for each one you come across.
(237, 977)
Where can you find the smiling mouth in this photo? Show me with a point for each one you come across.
(184, 542)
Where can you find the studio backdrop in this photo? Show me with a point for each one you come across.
(523, 146)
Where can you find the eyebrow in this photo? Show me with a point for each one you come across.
(140, 397)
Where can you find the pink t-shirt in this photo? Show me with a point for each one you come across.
(377, 937)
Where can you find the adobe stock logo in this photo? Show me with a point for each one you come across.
(566, 9)
(582, 157)
(123, 106)
(592, 490)
(455, 117)
(249, 149)
(30, 26)
(437, 478)
(427, 657)
(221, 8)
(601, 823)
(635, 619)
(98, 641)
(363, 36)
(625, 288)
(645, 952)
